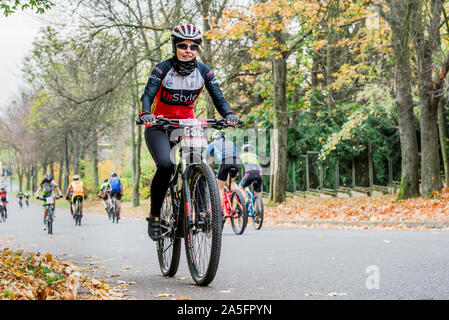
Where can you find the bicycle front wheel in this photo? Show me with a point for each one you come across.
(50, 221)
(203, 225)
(258, 214)
(239, 218)
(169, 247)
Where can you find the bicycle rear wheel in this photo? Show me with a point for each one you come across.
(109, 210)
(258, 213)
(114, 213)
(203, 225)
(78, 213)
(169, 247)
(239, 219)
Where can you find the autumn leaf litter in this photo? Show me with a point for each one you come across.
(377, 213)
(36, 276)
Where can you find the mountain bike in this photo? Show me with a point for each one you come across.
(20, 203)
(3, 214)
(191, 207)
(234, 208)
(50, 201)
(26, 202)
(78, 212)
(254, 207)
(114, 209)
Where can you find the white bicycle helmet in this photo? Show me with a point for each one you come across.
(187, 32)
(247, 148)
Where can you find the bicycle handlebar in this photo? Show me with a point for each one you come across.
(45, 199)
(215, 123)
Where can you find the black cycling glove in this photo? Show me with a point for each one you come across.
(147, 117)
(232, 117)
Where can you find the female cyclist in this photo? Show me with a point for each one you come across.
(171, 92)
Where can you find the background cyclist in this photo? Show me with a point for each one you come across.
(115, 189)
(78, 191)
(253, 170)
(4, 199)
(48, 185)
(103, 194)
(225, 154)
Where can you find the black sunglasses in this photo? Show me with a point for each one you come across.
(184, 46)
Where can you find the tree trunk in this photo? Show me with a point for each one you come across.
(136, 165)
(52, 168)
(426, 43)
(399, 21)
(279, 137)
(67, 166)
(28, 178)
(135, 198)
(206, 55)
(407, 133)
(44, 168)
(443, 133)
(95, 162)
(76, 157)
(60, 173)
(34, 180)
(20, 173)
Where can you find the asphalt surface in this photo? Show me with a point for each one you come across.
(273, 263)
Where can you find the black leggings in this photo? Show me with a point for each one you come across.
(159, 145)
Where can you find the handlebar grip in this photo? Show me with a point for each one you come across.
(139, 122)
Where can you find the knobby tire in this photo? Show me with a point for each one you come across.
(169, 247)
(239, 219)
(206, 216)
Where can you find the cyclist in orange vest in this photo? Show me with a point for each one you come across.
(77, 187)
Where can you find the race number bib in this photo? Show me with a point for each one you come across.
(49, 200)
(194, 133)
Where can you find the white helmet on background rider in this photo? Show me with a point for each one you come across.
(247, 148)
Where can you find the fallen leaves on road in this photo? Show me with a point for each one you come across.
(377, 212)
(35, 276)
(336, 294)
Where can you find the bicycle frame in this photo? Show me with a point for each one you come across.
(251, 210)
(228, 210)
(178, 185)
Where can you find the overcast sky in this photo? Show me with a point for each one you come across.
(17, 33)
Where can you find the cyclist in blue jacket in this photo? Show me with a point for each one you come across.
(226, 155)
(115, 188)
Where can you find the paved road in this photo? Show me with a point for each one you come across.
(273, 263)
